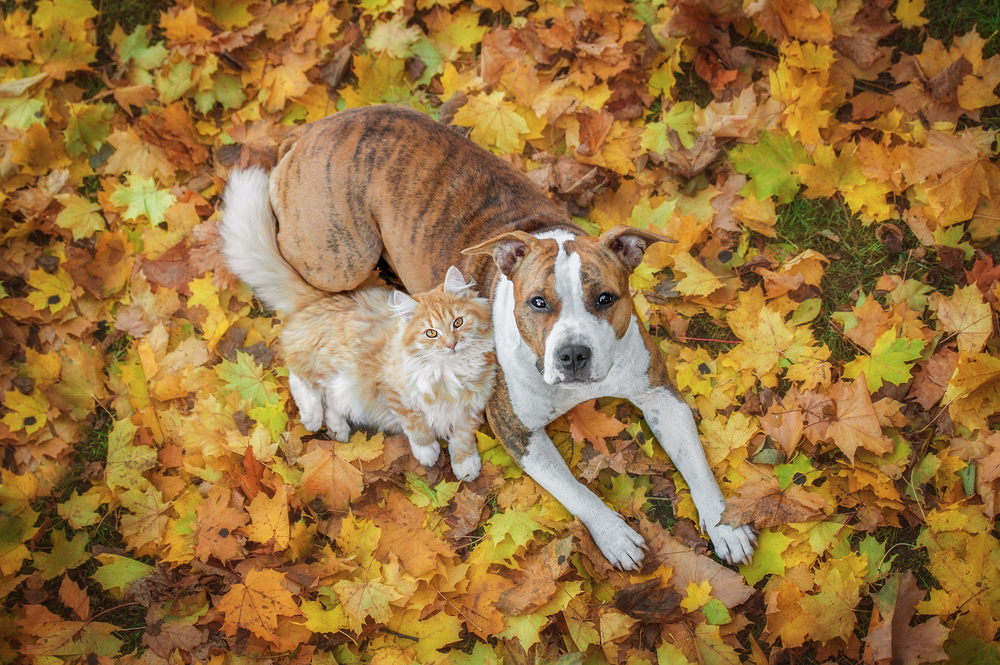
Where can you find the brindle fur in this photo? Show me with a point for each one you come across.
(364, 170)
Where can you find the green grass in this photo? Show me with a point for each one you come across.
(857, 259)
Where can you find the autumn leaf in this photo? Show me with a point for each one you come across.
(142, 199)
(764, 505)
(257, 604)
(365, 598)
(773, 166)
(856, 425)
(888, 361)
(494, 122)
(586, 423)
(967, 316)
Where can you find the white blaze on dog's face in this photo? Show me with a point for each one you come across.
(571, 296)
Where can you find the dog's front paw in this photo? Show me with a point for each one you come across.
(618, 542)
(733, 545)
(468, 469)
(426, 455)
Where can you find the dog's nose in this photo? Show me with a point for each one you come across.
(574, 357)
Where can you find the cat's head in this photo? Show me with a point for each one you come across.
(448, 321)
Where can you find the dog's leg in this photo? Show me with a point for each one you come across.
(465, 462)
(619, 543)
(672, 423)
(309, 400)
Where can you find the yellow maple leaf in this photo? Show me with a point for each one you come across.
(967, 315)
(54, 291)
(80, 216)
(365, 598)
(269, 518)
(28, 412)
(909, 13)
(495, 123)
(698, 280)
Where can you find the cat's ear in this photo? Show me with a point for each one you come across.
(401, 304)
(454, 283)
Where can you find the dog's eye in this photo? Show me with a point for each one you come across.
(430, 332)
(457, 323)
(538, 302)
(606, 300)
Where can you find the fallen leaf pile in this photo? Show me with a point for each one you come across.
(152, 461)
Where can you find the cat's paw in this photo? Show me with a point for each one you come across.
(733, 545)
(618, 542)
(309, 401)
(338, 429)
(426, 455)
(468, 469)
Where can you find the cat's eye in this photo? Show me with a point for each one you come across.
(606, 300)
(457, 323)
(538, 302)
(430, 332)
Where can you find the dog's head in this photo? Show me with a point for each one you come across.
(571, 295)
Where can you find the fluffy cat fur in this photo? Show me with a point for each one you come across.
(421, 365)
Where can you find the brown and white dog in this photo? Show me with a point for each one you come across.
(389, 181)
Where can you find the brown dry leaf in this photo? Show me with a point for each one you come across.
(856, 425)
(536, 581)
(586, 423)
(257, 604)
(329, 478)
(217, 524)
(763, 504)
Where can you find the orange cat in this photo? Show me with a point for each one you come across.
(421, 365)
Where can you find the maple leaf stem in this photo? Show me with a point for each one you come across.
(111, 609)
(397, 634)
(708, 339)
(459, 610)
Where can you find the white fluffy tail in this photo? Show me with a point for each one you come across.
(251, 246)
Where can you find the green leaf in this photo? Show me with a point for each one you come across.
(482, 654)
(773, 166)
(135, 48)
(118, 573)
(143, 199)
(799, 471)
(716, 613)
(888, 361)
(767, 559)
(65, 554)
(89, 125)
(126, 462)
(874, 552)
(249, 380)
(513, 523)
(80, 510)
(173, 80)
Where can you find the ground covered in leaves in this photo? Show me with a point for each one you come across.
(829, 170)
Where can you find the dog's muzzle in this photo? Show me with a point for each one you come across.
(574, 360)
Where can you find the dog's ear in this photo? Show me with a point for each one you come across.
(454, 283)
(508, 249)
(630, 243)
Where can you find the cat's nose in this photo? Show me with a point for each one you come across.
(453, 345)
